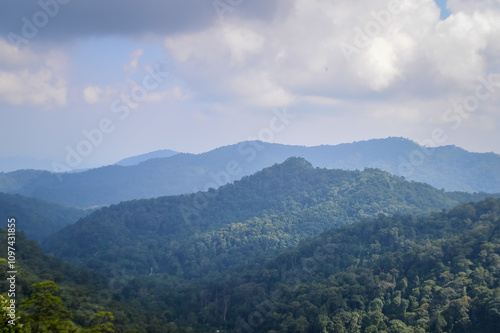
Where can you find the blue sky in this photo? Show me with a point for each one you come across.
(444, 11)
(218, 71)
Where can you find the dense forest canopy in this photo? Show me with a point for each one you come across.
(405, 273)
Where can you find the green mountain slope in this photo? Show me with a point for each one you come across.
(447, 167)
(38, 218)
(437, 273)
(206, 232)
(393, 274)
(82, 291)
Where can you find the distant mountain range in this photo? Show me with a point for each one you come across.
(134, 160)
(448, 167)
(9, 164)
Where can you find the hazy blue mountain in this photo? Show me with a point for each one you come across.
(37, 218)
(134, 160)
(448, 167)
(9, 164)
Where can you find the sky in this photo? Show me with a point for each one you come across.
(87, 83)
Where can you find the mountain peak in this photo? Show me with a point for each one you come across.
(298, 162)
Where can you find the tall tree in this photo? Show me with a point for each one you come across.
(45, 312)
(102, 323)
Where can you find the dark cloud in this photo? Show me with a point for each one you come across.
(82, 18)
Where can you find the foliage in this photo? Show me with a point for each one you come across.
(8, 323)
(396, 274)
(401, 273)
(102, 323)
(45, 312)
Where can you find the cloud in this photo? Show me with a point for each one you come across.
(257, 88)
(40, 88)
(407, 51)
(121, 17)
(14, 57)
(469, 6)
(176, 93)
(32, 79)
(91, 94)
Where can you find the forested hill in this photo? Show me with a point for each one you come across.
(395, 274)
(38, 218)
(53, 296)
(438, 273)
(191, 235)
(448, 167)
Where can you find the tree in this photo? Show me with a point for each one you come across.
(45, 312)
(457, 312)
(102, 323)
(8, 324)
(301, 324)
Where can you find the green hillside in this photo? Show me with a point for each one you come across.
(392, 274)
(202, 233)
(38, 218)
(62, 295)
(438, 273)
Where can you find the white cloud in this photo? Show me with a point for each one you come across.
(14, 57)
(319, 100)
(91, 94)
(176, 93)
(379, 65)
(257, 88)
(299, 53)
(32, 79)
(241, 43)
(472, 5)
(40, 88)
(222, 44)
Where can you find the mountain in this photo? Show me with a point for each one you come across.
(448, 167)
(9, 164)
(187, 262)
(38, 218)
(134, 160)
(188, 236)
(438, 273)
